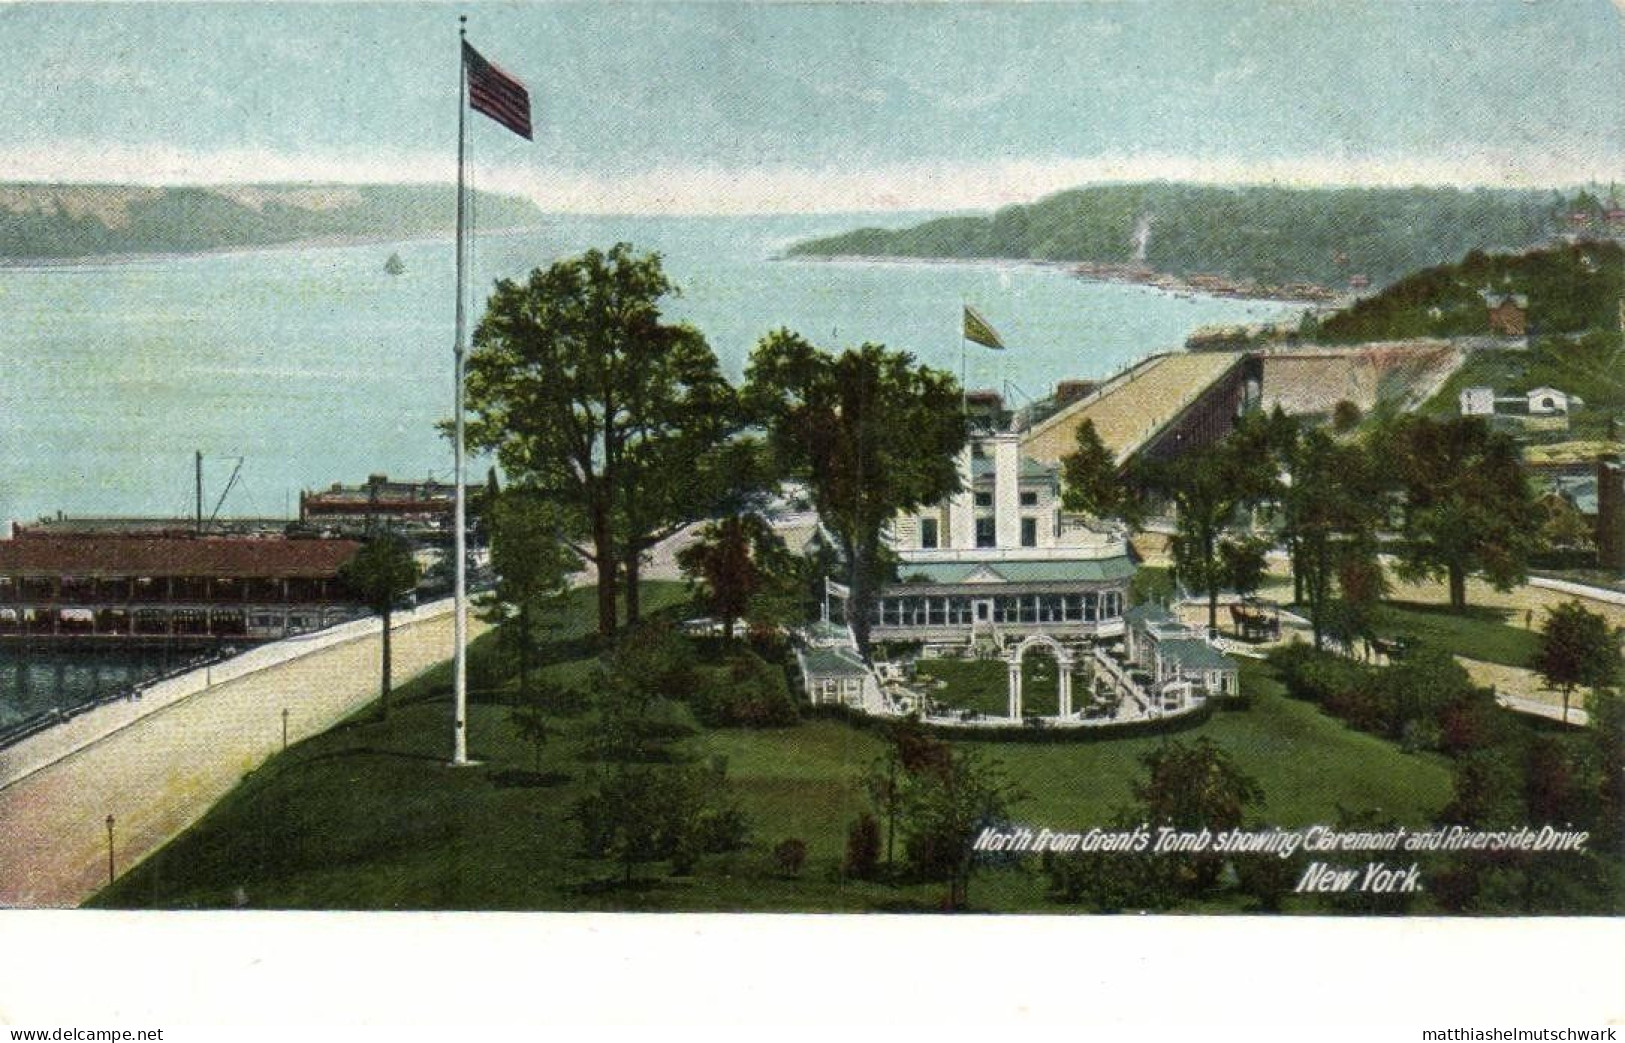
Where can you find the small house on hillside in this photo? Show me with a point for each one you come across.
(1508, 313)
(1547, 401)
(1477, 401)
(1544, 408)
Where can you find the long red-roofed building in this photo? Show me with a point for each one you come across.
(172, 587)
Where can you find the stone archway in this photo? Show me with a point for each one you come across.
(1063, 662)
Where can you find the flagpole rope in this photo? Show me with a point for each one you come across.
(459, 728)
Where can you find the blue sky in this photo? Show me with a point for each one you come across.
(757, 106)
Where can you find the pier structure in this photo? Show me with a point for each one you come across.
(422, 511)
(1160, 406)
(132, 589)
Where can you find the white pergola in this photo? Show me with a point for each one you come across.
(1063, 661)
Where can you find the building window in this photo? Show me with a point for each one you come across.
(985, 536)
(1029, 532)
(928, 533)
(984, 499)
(1029, 499)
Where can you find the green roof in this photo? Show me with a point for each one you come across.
(1085, 570)
(1197, 655)
(983, 466)
(1146, 612)
(1031, 468)
(827, 631)
(831, 662)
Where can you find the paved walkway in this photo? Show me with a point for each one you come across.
(159, 775)
(1522, 690)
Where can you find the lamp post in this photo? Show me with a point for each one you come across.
(109, 850)
(284, 728)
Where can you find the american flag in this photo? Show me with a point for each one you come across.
(495, 93)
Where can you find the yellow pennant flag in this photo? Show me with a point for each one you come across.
(980, 330)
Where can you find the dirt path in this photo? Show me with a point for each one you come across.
(161, 774)
(1523, 690)
(1520, 600)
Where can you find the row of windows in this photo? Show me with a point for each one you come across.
(847, 690)
(162, 588)
(986, 533)
(1028, 499)
(962, 610)
(145, 621)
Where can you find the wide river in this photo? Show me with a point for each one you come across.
(316, 366)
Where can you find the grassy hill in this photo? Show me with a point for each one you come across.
(45, 222)
(1574, 293)
(368, 816)
(1572, 288)
(1271, 235)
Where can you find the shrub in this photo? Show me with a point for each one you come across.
(1418, 735)
(1418, 688)
(641, 814)
(744, 692)
(723, 829)
(651, 661)
(790, 855)
(1317, 677)
(1359, 705)
(1268, 879)
(1108, 882)
(862, 848)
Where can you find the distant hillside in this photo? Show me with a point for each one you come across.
(1269, 235)
(39, 222)
(1570, 288)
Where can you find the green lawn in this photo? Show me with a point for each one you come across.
(369, 816)
(984, 684)
(1498, 369)
(1480, 632)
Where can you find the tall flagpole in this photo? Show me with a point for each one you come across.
(964, 390)
(459, 712)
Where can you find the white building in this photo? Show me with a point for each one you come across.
(1539, 402)
(1000, 559)
(836, 676)
(1545, 401)
(1478, 401)
(1175, 653)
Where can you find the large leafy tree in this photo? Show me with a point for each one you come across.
(945, 801)
(871, 433)
(1330, 514)
(1467, 506)
(532, 561)
(1576, 648)
(383, 573)
(735, 561)
(593, 402)
(1194, 787)
(1208, 488)
(684, 461)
